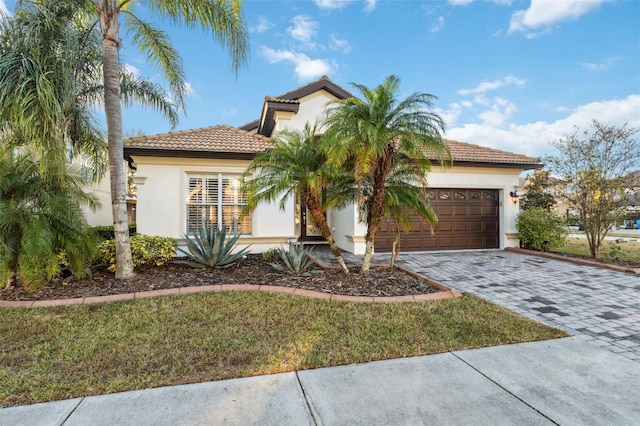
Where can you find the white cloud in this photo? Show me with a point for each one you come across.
(370, 5)
(305, 67)
(262, 25)
(543, 14)
(487, 86)
(229, 112)
(304, 30)
(533, 138)
(188, 89)
(339, 44)
(131, 69)
(4, 9)
(466, 2)
(437, 26)
(607, 64)
(331, 4)
(450, 115)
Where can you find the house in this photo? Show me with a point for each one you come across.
(187, 178)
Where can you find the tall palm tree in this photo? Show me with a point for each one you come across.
(293, 167)
(373, 130)
(51, 78)
(222, 18)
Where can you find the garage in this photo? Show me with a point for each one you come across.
(467, 219)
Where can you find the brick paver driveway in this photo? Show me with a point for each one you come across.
(599, 303)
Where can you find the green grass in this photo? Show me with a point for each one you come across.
(613, 234)
(64, 352)
(625, 251)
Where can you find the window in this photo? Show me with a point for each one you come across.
(216, 199)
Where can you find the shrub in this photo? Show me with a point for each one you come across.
(540, 229)
(146, 250)
(295, 261)
(210, 248)
(106, 232)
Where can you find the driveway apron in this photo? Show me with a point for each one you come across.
(600, 304)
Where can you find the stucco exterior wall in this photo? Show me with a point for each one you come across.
(161, 207)
(312, 110)
(503, 179)
(104, 215)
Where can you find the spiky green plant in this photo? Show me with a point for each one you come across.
(295, 260)
(210, 248)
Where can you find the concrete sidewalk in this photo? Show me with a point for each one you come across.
(564, 381)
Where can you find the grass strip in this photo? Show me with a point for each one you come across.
(611, 250)
(56, 353)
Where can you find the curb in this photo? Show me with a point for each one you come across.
(575, 260)
(446, 293)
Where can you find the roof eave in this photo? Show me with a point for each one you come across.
(177, 153)
(499, 165)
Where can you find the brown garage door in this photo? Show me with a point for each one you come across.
(467, 219)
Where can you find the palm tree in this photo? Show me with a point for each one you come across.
(293, 167)
(374, 130)
(41, 218)
(405, 193)
(51, 77)
(222, 18)
(403, 196)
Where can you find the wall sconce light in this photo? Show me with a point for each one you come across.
(514, 197)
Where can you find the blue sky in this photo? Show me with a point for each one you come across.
(509, 74)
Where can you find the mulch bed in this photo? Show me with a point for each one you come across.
(380, 281)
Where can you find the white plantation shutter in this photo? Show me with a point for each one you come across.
(211, 194)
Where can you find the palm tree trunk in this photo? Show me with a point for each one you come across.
(113, 110)
(394, 247)
(376, 205)
(315, 208)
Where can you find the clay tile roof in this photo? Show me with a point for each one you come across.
(208, 139)
(281, 101)
(466, 152)
(633, 179)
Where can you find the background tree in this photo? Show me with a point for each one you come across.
(223, 19)
(372, 131)
(537, 192)
(295, 166)
(594, 164)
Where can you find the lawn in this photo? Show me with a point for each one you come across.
(55, 353)
(624, 251)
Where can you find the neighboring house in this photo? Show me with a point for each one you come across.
(632, 188)
(187, 178)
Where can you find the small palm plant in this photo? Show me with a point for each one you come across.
(295, 260)
(210, 248)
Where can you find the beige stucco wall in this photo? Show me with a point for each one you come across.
(161, 208)
(311, 110)
(103, 216)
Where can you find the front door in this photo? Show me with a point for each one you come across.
(306, 227)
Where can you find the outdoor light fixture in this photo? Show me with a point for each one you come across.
(514, 197)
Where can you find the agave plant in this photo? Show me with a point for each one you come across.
(296, 260)
(210, 248)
